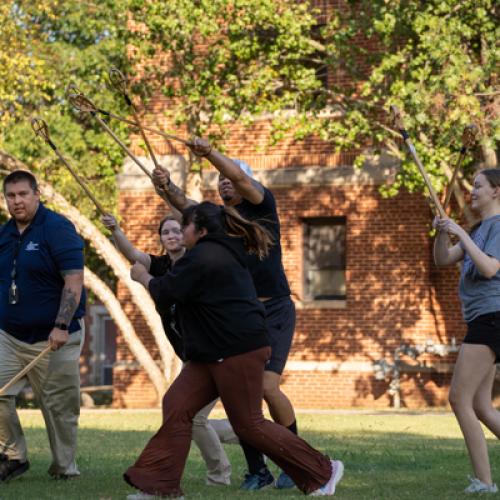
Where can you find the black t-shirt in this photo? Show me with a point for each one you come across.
(161, 265)
(268, 274)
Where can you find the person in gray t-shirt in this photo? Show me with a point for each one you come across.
(472, 382)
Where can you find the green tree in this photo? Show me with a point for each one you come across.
(220, 61)
(437, 60)
(44, 46)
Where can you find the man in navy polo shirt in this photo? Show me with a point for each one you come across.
(41, 300)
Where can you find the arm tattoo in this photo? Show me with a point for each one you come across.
(176, 197)
(68, 306)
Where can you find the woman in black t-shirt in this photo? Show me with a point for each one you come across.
(170, 234)
(226, 343)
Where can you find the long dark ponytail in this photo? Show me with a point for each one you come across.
(227, 220)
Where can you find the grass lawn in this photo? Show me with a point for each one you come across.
(387, 456)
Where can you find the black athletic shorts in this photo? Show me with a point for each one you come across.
(485, 330)
(280, 322)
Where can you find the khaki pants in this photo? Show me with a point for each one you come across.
(208, 437)
(55, 381)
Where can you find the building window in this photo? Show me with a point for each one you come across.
(103, 345)
(324, 258)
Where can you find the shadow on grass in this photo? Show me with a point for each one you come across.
(379, 465)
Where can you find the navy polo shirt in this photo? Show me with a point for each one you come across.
(48, 246)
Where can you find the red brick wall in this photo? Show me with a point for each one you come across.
(394, 295)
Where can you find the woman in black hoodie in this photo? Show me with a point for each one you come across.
(208, 440)
(225, 341)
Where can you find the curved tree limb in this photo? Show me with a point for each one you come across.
(113, 306)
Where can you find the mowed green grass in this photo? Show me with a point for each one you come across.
(386, 456)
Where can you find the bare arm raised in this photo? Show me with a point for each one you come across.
(247, 187)
(172, 194)
(124, 245)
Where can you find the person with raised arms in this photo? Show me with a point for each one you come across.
(205, 436)
(227, 347)
(253, 201)
(474, 373)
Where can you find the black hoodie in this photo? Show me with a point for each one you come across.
(217, 305)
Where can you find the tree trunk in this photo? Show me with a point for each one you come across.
(113, 306)
(459, 196)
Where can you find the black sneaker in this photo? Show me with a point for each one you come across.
(262, 479)
(10, 469)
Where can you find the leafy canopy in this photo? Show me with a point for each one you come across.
(225, 60)
(435, 59)
(44, 46)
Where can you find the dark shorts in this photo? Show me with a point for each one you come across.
(485, 330)
(280, 322)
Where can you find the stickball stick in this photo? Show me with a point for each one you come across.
(119, 82)
(73, 89)
(24, 371)
(397, 121)
(469, 138)
(41, 129)
(149, 129)
(83, 104)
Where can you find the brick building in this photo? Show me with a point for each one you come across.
(360, 269)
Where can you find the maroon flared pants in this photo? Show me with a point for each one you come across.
(238, 380)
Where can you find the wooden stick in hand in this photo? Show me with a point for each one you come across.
(398, 123)
(24, 371)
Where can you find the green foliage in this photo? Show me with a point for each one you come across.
(217, 61)
(48, 44)
(436, 60)
(226, 59)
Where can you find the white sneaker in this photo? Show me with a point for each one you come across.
(477, 486)
(141, 495)
(329, 488)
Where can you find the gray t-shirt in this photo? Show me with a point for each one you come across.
(478, 294)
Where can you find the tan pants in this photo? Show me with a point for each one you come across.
(208, 436)
(55, 381)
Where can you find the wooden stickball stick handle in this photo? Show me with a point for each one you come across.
(24, 371)
(42, 130)
(149, 129)
(399, 124)
(122, 145)
(469, 138)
